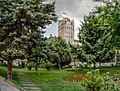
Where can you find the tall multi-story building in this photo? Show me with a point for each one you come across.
(66, 29)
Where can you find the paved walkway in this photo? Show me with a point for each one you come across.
(4, 86)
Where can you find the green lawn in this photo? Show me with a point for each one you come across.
(3, 72)
(110, 70)
(53, 80)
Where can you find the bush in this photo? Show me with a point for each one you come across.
(68, 66)
(23, 64)
(30, 65)
(80, 66)
(47, 66)
(97, 82)
(116, 77)
(117, 65)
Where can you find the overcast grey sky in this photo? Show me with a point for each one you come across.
(75, 9)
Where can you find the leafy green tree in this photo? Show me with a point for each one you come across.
(74, 50)
(60, 52)
(96, 40)
(111, 13)
(18, 20)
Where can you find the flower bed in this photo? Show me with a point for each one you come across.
(75, 77)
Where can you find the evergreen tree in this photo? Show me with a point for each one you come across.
(19, 19)
(34, 47)
(95, 37)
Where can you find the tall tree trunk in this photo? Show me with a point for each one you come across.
(59, 65)
(74, 63)
(94, 65)
(9, 64)
(36, 68)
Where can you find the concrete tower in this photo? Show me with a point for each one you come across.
(66, 29)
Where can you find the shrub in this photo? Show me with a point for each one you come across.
(118, 65)
(29, 65)
(23, 64)
(80, 66)
(47, 66)
(97, 82)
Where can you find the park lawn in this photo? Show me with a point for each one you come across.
(3, 71)
(112, 70)
(53, 80)
(15, 78)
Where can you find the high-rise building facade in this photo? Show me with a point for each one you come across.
(66, 29)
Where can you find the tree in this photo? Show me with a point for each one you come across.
(60, 52)
(110, 11)
(74, 50)
(33, 45)
(96, 40)
(18, 19)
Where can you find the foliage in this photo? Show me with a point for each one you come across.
(110, 13)
(13, 53)
(53, 80)
(80, 66)
(96, 40)
(94, 82)
(60, 52)
(116, 76)
(23, 64)
(34, 47)
(30, 65)
(48, 65)
(19, 19)
(15, 79)
(74, 50)
(23, 16)
(97, 82)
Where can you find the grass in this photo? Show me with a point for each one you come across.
(110, 70)
(3, 71)
(15, 78)
(53, 80)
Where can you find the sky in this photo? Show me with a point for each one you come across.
(74, 9)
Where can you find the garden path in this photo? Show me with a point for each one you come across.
(27, 84)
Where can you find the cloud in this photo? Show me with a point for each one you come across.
(75, 9)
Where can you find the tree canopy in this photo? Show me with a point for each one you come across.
(110, 13)
(60, 52)
(95, 38)
(19, 19)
